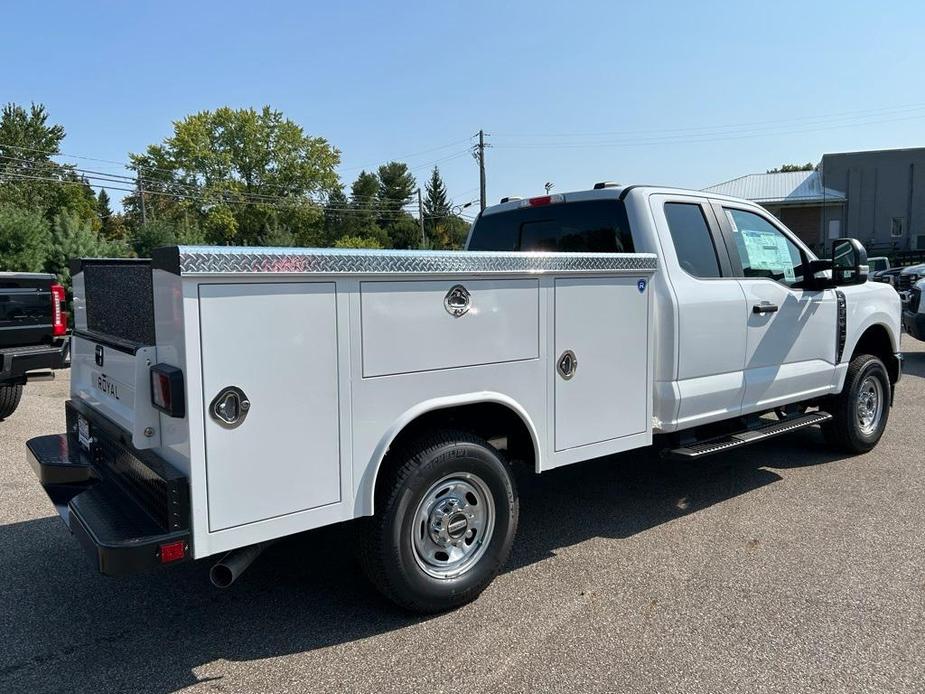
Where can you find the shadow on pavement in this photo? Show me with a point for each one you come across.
(65, 627)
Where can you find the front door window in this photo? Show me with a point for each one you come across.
(764, 250)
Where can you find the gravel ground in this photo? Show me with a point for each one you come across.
(782, 567)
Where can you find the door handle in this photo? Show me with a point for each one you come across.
(765, 307)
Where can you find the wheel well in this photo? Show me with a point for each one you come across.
(876, 341)
(494, 422)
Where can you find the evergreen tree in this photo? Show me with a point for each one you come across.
(25, 240)
(396, 186)
(361, 220)
(105, 213)
(436, 204)
(335, 216)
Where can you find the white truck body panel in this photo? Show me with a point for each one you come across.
(335, 365)
(338, 351)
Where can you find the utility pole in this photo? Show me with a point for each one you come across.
(141, 196)
(421, 218)
(479, 153)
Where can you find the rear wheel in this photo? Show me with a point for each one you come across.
(444, 525)
(860, 412)
(10, 396)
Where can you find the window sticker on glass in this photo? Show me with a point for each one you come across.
(769, 251)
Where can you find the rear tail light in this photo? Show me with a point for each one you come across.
(172, 551)
(542, 200)
(167, 390)
(58, 316)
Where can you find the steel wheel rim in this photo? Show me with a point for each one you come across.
(869, 406)
(453, 525)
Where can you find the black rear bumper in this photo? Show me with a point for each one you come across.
(129, 514)
(16, 361)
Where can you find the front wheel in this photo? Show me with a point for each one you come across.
(444, 525)
(860, 412)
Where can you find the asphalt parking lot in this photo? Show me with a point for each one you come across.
(783, 567)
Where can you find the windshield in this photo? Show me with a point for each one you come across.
(595, 226)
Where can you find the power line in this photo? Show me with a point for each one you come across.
(703, 138)
(410, 156)
(864, 113)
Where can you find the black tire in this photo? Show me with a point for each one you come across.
(388, 548)
(845, 431)
(10, 395)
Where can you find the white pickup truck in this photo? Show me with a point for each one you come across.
(222, 398)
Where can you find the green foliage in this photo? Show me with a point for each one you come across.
(106, 215)
(396, 186)
(405, 232)
(25, 240)
(357, 242)
(436, 203)
(250, 170)
(449, 233)
(72, 237)
(29, 178)
(276, 235)
(787, 168)
(161, 232)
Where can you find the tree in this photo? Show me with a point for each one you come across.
(237, 172)
(436, 203)
(25, 240)
(276, 235)
(357, 242)
(161, 232)
(787, 168)
(405, 231)
(72, 237)
(361, 217)
(449, 233)
(335, 216)
(29, 178)
(396, 186)
(108, 222)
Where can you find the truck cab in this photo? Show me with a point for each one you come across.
(744, 322)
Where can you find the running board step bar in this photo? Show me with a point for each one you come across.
(743, 438)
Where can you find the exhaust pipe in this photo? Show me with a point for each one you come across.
(228, 568)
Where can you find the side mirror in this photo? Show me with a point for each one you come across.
(849, 262)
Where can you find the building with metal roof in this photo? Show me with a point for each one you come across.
(876, 196)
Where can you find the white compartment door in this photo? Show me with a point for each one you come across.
(277, 344)
(602, 324)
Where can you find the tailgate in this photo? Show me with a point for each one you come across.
(116, 383)
(113, 344)
(25, 309)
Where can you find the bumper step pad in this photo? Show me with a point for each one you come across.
(743, 438)
(112, 527)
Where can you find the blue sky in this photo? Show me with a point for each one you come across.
(684, 94)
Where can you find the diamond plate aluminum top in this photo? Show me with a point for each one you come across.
(209, 260)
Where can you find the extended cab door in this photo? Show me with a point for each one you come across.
(791, 331)
(705, 338)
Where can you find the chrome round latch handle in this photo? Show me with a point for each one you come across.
(230, 407)
(567, 364)
(457, 300)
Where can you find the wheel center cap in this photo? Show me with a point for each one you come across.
(457, 525)
(448, 523)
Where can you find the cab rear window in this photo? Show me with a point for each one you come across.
(590, 226)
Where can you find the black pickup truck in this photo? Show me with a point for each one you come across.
(33, 333)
